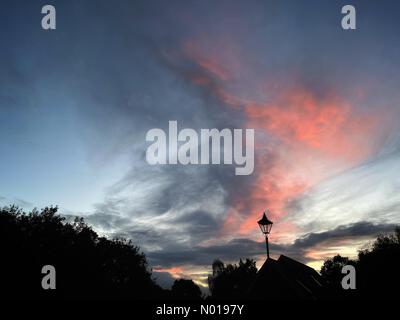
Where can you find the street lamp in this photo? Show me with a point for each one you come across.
(265, 226)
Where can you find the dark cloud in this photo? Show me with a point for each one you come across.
(352, 231)
(246, 248)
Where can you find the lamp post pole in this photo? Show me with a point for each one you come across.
(266, 242)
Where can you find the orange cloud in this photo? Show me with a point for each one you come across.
(328, 125)
(314, 139)
(175, 272)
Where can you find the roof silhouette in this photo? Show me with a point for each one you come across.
(286, 278)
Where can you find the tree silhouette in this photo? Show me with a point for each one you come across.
(231, 281)
(377, 269)
(87, 266)
(332, 269)
(185, 289)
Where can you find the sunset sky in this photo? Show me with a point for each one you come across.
(76, 104)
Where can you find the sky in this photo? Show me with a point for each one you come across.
(76, 104)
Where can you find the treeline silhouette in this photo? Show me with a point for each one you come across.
(87, 266)
(92, 267)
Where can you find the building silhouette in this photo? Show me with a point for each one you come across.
(286, 278)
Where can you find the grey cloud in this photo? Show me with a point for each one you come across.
(108, 222)
(356, 230)
(246, 248)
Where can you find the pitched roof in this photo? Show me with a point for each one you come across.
(286, 278)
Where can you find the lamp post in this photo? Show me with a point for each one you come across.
(265, 226)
